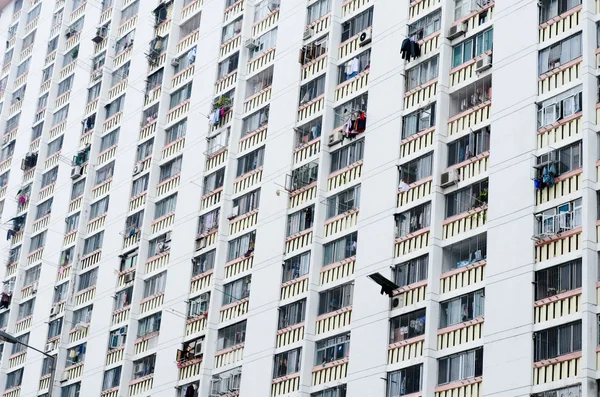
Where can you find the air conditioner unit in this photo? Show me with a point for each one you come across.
(449, 178)
(200, 244)
(397, 302)
(167, 237)
(308, 33)
(483, 64)
(49, 347)
(34, 287)
(64, 377)
(137, 169)
(335, 137)
(198, 349)
(457, 31)
(70, 31)
(365, 37)
(76, 172)
(24, 164)
(128, 277)
(251, 44)
(234, 212)
(96, 74)
(175, 62)
(54, 310)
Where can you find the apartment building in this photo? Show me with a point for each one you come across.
(321, 198)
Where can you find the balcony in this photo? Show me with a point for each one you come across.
(102, 189)
(291, 288)
(463, 276)
(458, 334)
(140, 385)
(565, 184)
(128, 25)
(421, 94)
(196, 324)
(556, 306)
(243, 222)
(561, 24)
(314, 67)
(23, 324)
(157, 262)
(239, 265)
(229, 356)
(471, 117)
(253, 139)
(226, 82)
(78, 12)
(230, 46)
(212, 198)
(144, 343)
(17, 359)
(405, 350)
(337, 271)
(189, 368)
(201, 282)
(344, 176)
(112, 122)
(162, 223)
(556, 369)
(163, 29)
(464, 222)
(334, 320)
(467, 387)
(115, 355)
(261, 61)
(90, 259)
(287, 336)
(178, 112)
(330, 372)
(265, 24)
(182, 77)
(559, 76)
(151, 303)
(560, 130)
(285, 385)
(35, 256)
(558, 245)
(411, 242)
(187, 42)
(341, 222)
(352, 86)
(232, 11)
(121, 315)
(416, 191)
(298, 241)
(409, 294)
(191, 9)
(106, 15)
(234, 310)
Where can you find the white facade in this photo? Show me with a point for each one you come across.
(480, 208)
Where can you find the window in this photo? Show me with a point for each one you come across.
(259, 82)
(71, 390)
(312, 90)
(115, 106)
(98, 62)
(463, 308)
(468, 146)
(47, 365)
(291, 314)
(560, 53)
(106, 4)
(553, 8)
(463, 200)
(18, 94)
(347, 155)
(154, 80)
(99, 208)
(4, 179)
(217, 141)
(189, 26)
(82, 316)
(18, 347)
(334, 348)
(155, 285)
(76, 355)
(353, 106)
(303, 176)
(159, 245)
(87, 279)
(144, 150)
(26, 309)
(422, 73)
(405, 381)
(37, 242)
(557, 341)
(149, 324)
(558, 219)
(264, 8)
(139, 186)
(559, 107)
(336, 298)
(18, 5)
(229, 65)
(120, 74)
(203, 263)
(246, 203)
(335, 391)
(180, 96)
(130, 11)
(300, 220)
(117, 338)
(425, 26)
(250, 161)
(255, 121)
(109, 140)
(165, 206)
(208, 222)
(342, 202)
(415, 219)
(231, 30)
(308, 132)
(70, 56)
(55, 328)
(55, 146)
(112, 378)
(170, 169)
(236, 290)
(11, 124)
(93, 243)
(23, 67)
(14, 254)
(65, 85)
(198, 305)
(460, 366)
(558, 279)
(214, 181)
(12, 31)
(356, 65)
(32, 275)
(61, 292)
(407, 326)
(185, 60)
(567, 159)
(287, 363)
(312, 51)
(465, 252)
(230, 336)
(472, 47)
(417, 170)
(340, 249)
(123, 298)
(464, 7)
(129, 262)
(77, 189)
(105, 173)
(295, 267)
(144, 366)
(36, 131)
(317, 10)
(226, 382)
(357, 24)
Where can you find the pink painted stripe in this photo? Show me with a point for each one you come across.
(463, 269)
(455, 327)
(460, 383)
(557, 360)
(557, 297)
